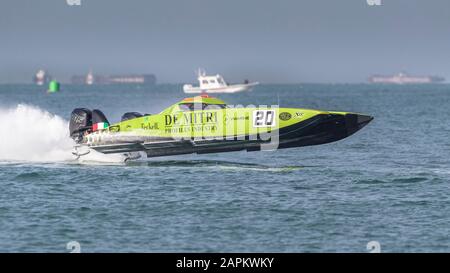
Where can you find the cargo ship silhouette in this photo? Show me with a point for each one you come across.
(90, 79)
(403, 78)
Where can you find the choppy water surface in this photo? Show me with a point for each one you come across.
(387, 183)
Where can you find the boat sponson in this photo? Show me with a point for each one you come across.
(324, 128)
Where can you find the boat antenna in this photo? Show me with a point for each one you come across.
(201, 72)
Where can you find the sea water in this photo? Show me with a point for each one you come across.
(388, 183)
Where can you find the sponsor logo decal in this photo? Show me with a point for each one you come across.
(193, 129)
(229, 118)
(191, 118)
(285, 116)
(149, 126)
(191, 122)
(78, 119)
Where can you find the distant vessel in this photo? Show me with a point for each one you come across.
(403, 78)
(41, 77)
(216, 84)
(90, 79)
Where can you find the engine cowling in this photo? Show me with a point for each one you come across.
(80, 122)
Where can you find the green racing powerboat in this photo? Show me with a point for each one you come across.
(205, 124)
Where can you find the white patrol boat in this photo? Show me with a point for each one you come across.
(216, 84)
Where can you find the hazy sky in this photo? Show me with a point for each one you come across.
(265, 40)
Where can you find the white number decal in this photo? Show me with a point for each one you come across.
(264, 118)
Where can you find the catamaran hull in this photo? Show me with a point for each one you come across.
(321, 129)
(207, 125)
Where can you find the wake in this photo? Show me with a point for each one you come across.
(28, 133)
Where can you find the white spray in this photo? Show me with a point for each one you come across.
(28, 133)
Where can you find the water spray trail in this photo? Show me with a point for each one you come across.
(28, 133)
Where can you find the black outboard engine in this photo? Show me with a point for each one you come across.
(99, 121)
(130, 115)
(80, 122)
(98, 117)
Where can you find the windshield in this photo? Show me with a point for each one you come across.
(200, 106)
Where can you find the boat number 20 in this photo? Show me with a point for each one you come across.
(264, 118)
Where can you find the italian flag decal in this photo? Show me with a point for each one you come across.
(99, 126)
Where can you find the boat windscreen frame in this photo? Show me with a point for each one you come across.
(191, 106)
